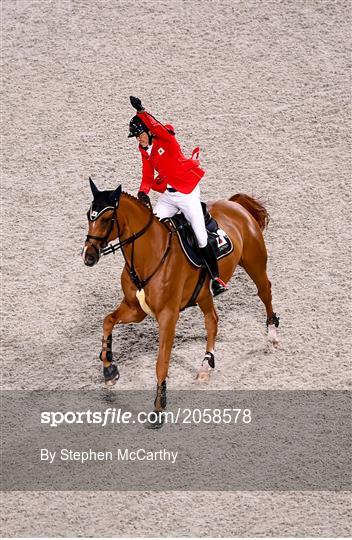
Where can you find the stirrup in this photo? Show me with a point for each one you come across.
(217, 286)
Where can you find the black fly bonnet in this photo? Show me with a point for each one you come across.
(103, 201)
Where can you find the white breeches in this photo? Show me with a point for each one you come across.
(170, 203)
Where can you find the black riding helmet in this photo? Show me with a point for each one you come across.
(137, 126)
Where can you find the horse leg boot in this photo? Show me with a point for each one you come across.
(125, 313)
(211, 324)
(217, 286)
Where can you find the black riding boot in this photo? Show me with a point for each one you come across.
(211, 263)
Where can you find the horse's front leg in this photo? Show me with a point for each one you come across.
(167, 325)
(127, 312)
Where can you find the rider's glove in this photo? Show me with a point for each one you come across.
(136, 103)
(143, 197)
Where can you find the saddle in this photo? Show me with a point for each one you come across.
(220, 241)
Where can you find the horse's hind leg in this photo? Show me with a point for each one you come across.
(211, 324)
(255, 266)
(124, 314)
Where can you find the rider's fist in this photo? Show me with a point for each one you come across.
(136, 103)
(143, 197)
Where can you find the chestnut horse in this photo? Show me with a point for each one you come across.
(157, 277)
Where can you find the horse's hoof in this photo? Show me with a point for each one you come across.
(272, 336)
(203, 374)
(207, 367)
(111, 375)
(155, 422)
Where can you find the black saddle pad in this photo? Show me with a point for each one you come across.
(219, 240)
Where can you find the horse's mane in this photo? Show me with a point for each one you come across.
(129, 196)
(142, 205)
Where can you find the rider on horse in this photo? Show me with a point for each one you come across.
(177, 181)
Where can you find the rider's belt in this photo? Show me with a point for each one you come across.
(172, 190)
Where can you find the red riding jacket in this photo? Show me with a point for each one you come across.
(166, 157)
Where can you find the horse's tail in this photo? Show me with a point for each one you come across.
(254, 207)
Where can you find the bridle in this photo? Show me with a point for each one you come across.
(103, 239)
(104, 249)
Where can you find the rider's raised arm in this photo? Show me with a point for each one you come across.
(147, 175)
(154, 125)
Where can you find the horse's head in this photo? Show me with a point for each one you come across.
(102, 222)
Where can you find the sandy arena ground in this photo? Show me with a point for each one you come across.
(264, 89)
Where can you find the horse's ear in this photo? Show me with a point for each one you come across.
(117, 193)
(93, 187)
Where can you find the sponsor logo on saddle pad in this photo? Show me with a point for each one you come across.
(221, 238)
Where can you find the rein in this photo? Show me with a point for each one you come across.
(131, 239)
(112, 248)
(141, 283)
